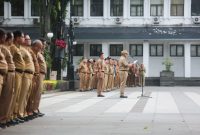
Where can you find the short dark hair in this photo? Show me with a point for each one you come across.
(9, 35)
(42, 39)
(17, 33)
(2, 32)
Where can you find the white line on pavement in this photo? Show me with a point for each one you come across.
(194, 97)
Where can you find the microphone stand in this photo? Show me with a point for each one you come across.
(142, 95)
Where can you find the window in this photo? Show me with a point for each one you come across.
(17, 7)
(95, 49)
(78, 50)
(115, 49)
(195, 8)
(35, 11)
(137, 7)
(195, 50)
(177, 7)
(1, 7)
(77, 8)
(136, 50)
(157, 7)
(176, 50)
(96, 8)
(156, 50)
(116, 8)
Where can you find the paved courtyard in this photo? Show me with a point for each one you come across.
(170, 111)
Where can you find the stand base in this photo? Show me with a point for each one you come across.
(143, 96)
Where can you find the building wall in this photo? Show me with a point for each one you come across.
(195, 67)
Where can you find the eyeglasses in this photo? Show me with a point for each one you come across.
(27, 39)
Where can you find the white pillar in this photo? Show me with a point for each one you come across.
(86, 50)
(146, 9)
(85, 8)
(187, 9)
(166, 12)
(126, 6)
(105, 49)
(106, 6)
(6, 10)
(146, 57)
(187, 60)
(26, 9)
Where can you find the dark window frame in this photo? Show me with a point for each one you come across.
(141, 13)
(2, 8)
(156, 55)
(93, 6)
(92, 52)
(76, 48)
(176, 5)
(157, 12)
(177, 45)
(196, 48)
(194, 6)
(76, 7)
(137, 45)
(115, 47)
(114, 8)
(14, 12)
(34, 10)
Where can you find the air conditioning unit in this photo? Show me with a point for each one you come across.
(156, 20)
(196, 20)
(1, 19)
(36, 21)
(76, 20)
(118, 20)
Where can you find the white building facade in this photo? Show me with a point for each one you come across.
(150, 30)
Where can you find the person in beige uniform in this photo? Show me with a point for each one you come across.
(82, 72)
(43, 71)
(3, 73)
(88, 77)
(26, 78)
(100, 74)
(106, 74)
(94, 78)
(19, 64)
(111, 75)
(123, 71)
(7, 94)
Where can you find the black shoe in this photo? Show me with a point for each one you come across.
(100, 96)
(14, 122)
(2, 125)
(26, 118)
(40, 114)
(19, 120)
(123, 97)
(30, 117)
(35, 115)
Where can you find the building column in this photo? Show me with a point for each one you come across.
(105, 49)
(166, 12)
(126, 6)
(146, 57)
(85, 9)
(86, 50)
(187, 59)
(26, 9)
(106, 6)
(146, 9)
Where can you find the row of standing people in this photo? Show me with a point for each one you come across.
(104, 74)
(22, 70)
(88, 74)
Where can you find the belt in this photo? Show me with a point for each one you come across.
(42, 73)
(28, 72)
(124, 70)
(19, 70)
(11, 70)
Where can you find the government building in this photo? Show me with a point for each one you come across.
(151, 30)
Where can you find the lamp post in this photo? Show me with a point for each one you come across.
(49, 35)
(70, 66)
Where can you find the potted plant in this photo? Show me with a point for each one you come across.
(167, 76)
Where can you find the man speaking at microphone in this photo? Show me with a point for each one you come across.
(123, 71)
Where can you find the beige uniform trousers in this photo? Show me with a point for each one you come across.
(110, 81)
(88, 80)
(94, 81)
(18, 82)
(26, 88)
(39, 92)
(6, 98)
(82, 80)
(100, 82)
(123, 77)
(1, 83)
(105, 88)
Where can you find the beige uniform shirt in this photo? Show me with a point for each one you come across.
(3, 63)
(17, 57)
(8, 57)
(82, 68)
(42, 63)
(26, 55)
(123, 64)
